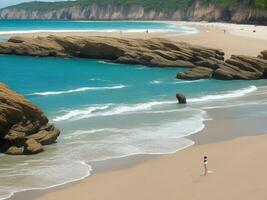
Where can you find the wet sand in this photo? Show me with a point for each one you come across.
(220, 133)
(238, 167)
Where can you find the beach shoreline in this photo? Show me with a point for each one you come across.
(235, 39)
(146, 180)
(232, 43)
(211, 134)
(203, 140)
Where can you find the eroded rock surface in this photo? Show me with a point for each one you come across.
(181, 98)
(151, 52)
(23, 127)
(237, 67)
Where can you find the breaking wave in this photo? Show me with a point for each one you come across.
(226, 95)
(81, 89)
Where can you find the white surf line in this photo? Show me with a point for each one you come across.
(88, 173)
(81, 89)
(88, 112)
(227, 95)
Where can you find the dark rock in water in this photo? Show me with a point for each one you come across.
(23, 127)
(181, 98)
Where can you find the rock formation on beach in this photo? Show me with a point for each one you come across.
(236, 67)
(156, 52)
(151, 52)
(24, 128)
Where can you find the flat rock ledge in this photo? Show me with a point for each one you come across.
(151, 52)
(24, 128)
(237, 67)
(156, 52)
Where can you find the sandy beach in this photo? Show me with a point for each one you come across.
(237, 164)
(238, 172)
(231, 38)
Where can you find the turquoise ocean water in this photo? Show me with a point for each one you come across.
(106, 110)
(31, 26)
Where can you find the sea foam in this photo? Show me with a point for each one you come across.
(81, 89)
(108, 110)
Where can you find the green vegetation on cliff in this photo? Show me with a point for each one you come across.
(164, 5)
(260, 4)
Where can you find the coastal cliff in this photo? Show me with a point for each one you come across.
(156, 52)
(24, 128)
(195, 11)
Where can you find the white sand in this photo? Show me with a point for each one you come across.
(236, 39)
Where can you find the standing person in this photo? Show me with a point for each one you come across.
(205, 165)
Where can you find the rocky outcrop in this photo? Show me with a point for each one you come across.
(23, 127)
(237, 67)
(181, 98)
(156, 52)
(263, 55)
(151, 52)
(195, 12)
(196, 73)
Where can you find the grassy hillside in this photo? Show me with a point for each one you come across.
(164, 5)
(148, 4)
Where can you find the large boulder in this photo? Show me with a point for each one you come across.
(223, 74)
(23, 127)
(32, 146)
(195, 73)
(181, 98)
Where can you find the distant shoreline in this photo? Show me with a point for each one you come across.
(95, 31)
(231, 38)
